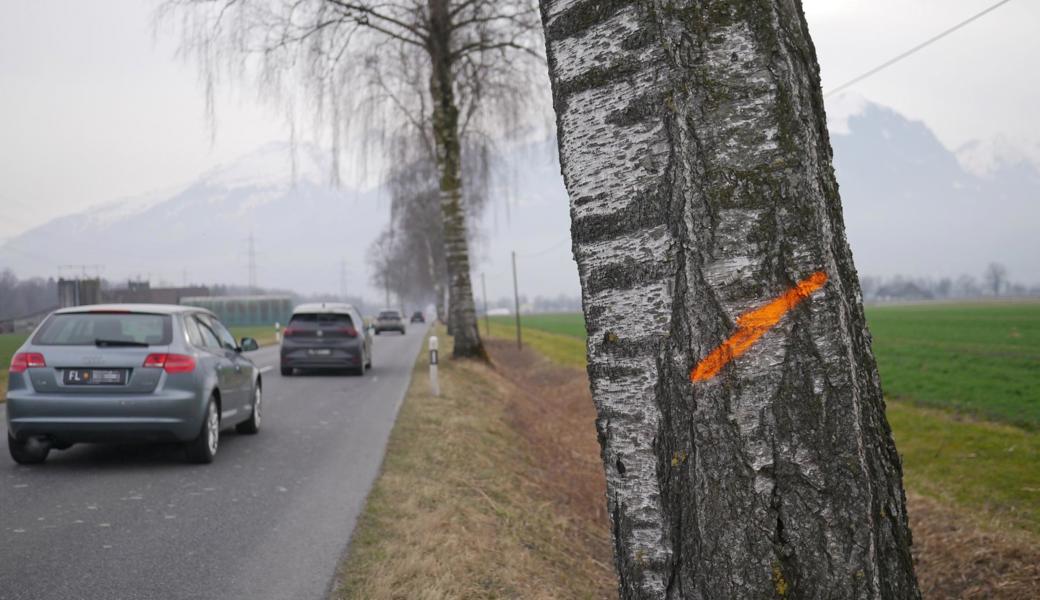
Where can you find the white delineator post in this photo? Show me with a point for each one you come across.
(434, 387)
(277, 332)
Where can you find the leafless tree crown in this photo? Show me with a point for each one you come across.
(360, 70)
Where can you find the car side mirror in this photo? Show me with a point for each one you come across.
(249, 344)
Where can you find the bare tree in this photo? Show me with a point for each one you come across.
(433, 71)
(740, 412)
(414, 267)
(995, 277)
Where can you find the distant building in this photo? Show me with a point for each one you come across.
(142, 292)
(77, 292)
(245, 310)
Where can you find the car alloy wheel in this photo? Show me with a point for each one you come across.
(252, 424)
(258, 401)
(212, 429)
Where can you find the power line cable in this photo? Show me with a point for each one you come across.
(546, 250)
(915, 49)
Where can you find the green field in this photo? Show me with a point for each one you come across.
(943, 369)
(981, 359)
(264, 334)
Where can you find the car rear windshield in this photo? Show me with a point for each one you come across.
(389, 314)
(322, 320)
(88, 329)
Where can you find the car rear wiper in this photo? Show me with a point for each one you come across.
(119, 343)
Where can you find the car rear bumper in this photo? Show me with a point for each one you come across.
(305, 358)
(170, 415)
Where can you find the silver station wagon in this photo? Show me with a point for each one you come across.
(129, 373)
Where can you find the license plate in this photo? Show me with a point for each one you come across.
(322, 352)
(95, 376)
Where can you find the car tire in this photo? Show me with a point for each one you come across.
(203, 448)
(251, 425)
(28, 452)
(287, 371)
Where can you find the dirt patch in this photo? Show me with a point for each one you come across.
(958, 557)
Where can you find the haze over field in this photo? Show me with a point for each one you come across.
(938, 198)
(912, 207)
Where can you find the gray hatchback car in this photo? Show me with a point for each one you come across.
(130, 372)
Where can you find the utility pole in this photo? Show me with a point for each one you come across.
(252, 264)
(516, 298)
(343, 279)
(487, 318)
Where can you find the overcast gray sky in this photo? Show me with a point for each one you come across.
(94, 107)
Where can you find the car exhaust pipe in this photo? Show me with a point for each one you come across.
(39, 443)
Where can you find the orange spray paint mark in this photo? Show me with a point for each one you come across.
(753, 325)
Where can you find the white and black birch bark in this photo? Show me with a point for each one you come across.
(462, 320)
(694, 148)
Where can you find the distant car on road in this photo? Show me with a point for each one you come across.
(389, 320)
(329, 335)
(418, 317)
(130, 372)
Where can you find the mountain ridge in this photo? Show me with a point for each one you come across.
(911, 207)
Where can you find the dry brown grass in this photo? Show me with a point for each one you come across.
(960, 557)
(495, 490)
(462, 509)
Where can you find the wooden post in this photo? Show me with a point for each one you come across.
(487, 318)
(516, 298)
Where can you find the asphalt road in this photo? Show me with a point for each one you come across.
(270, 518)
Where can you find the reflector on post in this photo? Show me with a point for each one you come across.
(434, 387)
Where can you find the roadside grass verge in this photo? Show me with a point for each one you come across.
(973, 490)
(979, 465)
(263, 334)
(564, 349)
(464, 508)
(991, 469)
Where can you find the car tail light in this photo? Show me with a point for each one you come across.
(347, 331)
(289, 331)
(171, 363)
(27, 360)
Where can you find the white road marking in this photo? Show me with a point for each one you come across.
(265, 369)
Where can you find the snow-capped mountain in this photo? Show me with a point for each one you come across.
(302, 226)
(911, 207)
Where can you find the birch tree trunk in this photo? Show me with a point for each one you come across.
(740, 412)
(463, 313)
